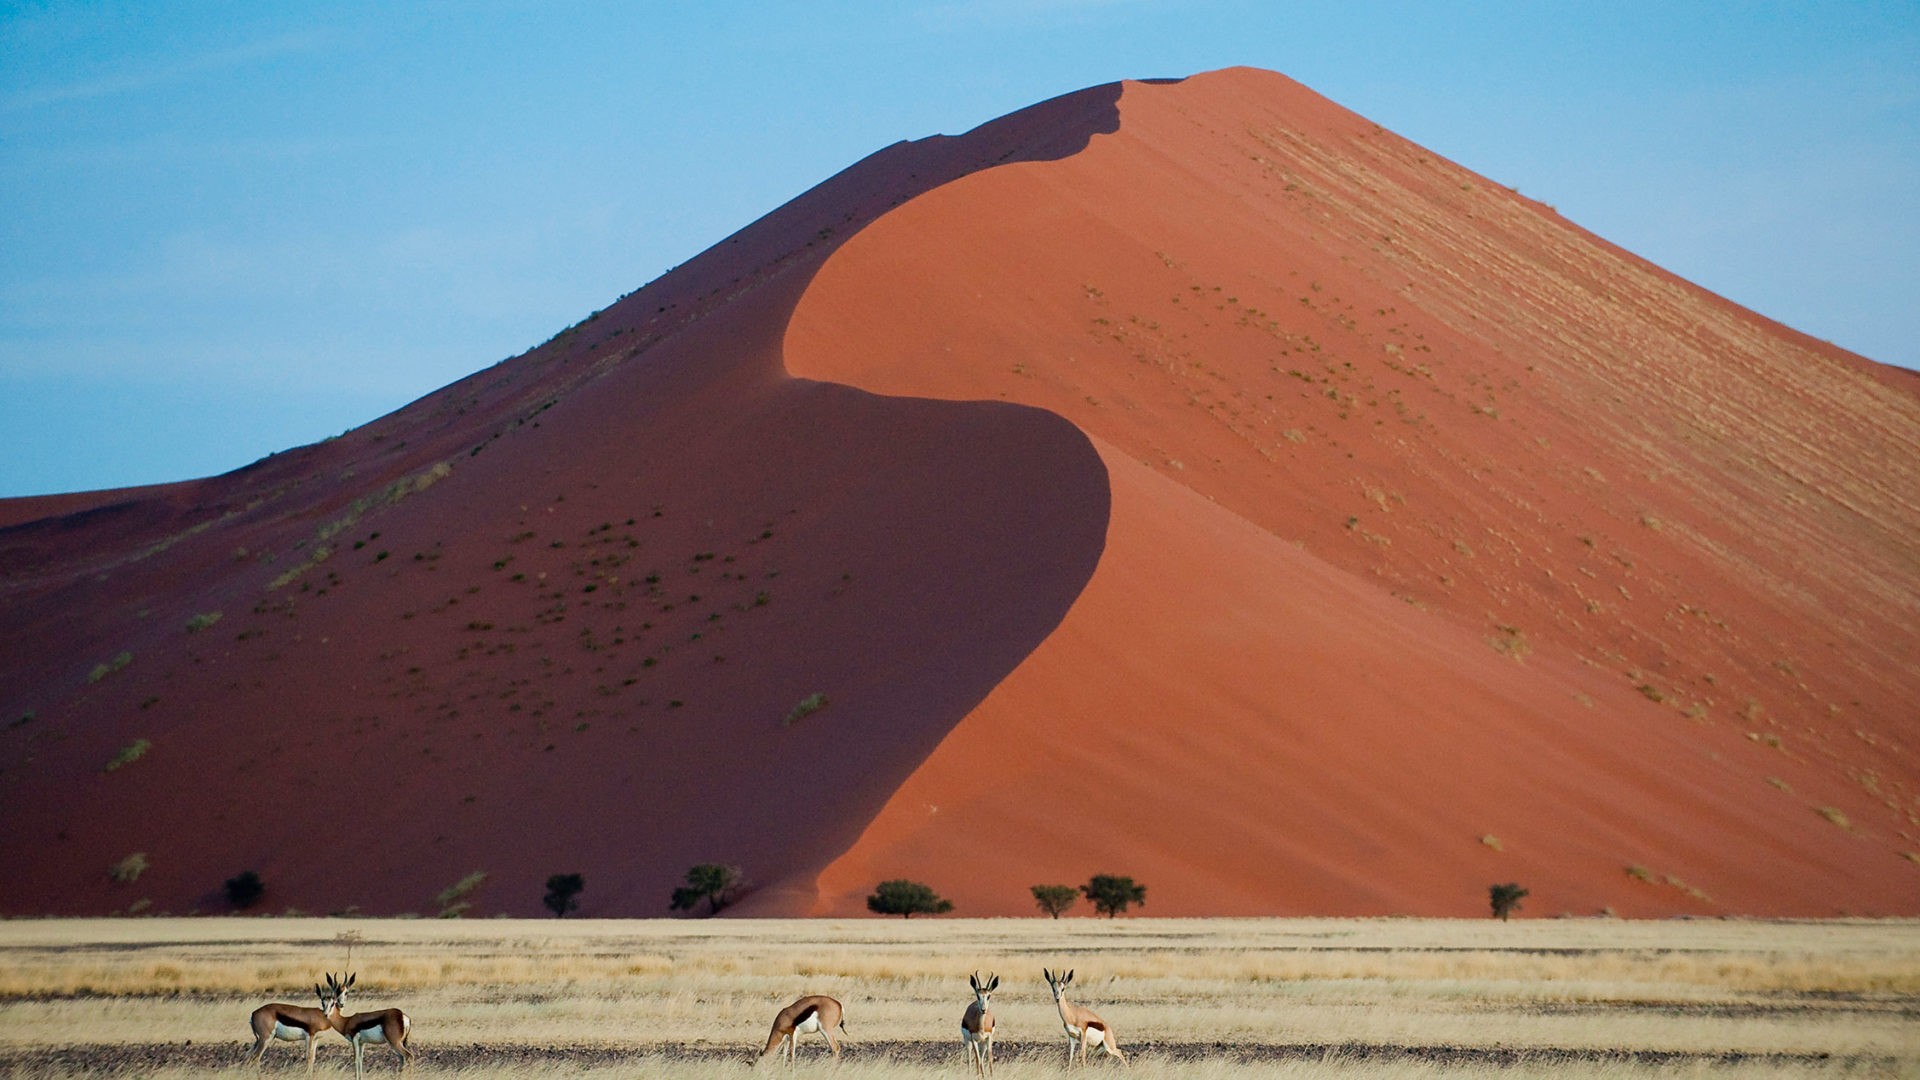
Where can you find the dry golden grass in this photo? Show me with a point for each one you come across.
(1437, 997)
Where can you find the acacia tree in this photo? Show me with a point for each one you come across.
(715, 883)
(1055, 899)
(906, 899)
(1505, 898)
(561, 890)
(1111, 893)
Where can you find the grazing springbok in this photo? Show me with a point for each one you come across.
(278, 1021)
(976, 1025)
(815, 1012)
(390, 1026)
(1082, 1026)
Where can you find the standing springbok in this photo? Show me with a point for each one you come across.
(1082, 1026)
(976, 1025)
(278, 1021)
(815, 1012)
(390, 1026)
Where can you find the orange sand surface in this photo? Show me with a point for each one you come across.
(1186, 480)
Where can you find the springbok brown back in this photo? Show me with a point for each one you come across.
(815, 1012)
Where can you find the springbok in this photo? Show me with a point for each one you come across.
(815, 1012)
(1081, 1025)
(976, 1025)
(278, 1021)
(390, 1026)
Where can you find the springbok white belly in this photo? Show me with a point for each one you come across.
(808, 1026)
(282, 1031)
(374, 1034)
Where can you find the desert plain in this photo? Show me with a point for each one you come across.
(1189, 998)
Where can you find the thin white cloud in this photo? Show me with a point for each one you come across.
(137, 78)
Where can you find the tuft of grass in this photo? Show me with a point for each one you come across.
(1492, 841)
(1686, 888)
(1833, 814)
(202, 621)
(1640, 873)
(108, 667)
(806, 707)
(1512, 642)
(129, 754)
(129, 869)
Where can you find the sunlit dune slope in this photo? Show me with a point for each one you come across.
(1449, 545)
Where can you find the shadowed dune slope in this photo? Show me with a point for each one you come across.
(555, 618)
(1450, 544)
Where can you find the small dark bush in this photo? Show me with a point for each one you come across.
(716, 884)
(243, 890)
(1505, 899)
(561, 890)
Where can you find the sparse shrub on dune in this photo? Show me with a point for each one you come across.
(108, 667)
(452, 901)
(129, 754)
(808, 705)
(129, 869)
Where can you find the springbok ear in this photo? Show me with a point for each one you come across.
(1068, 979)
(1048, 974)
(993, 983)
(351, 979)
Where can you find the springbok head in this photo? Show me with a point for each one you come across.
(338, 988)
(982, 989)
(1057, 983)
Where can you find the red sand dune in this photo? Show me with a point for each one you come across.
(1191, 480)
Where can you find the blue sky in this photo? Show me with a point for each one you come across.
(232, 228)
